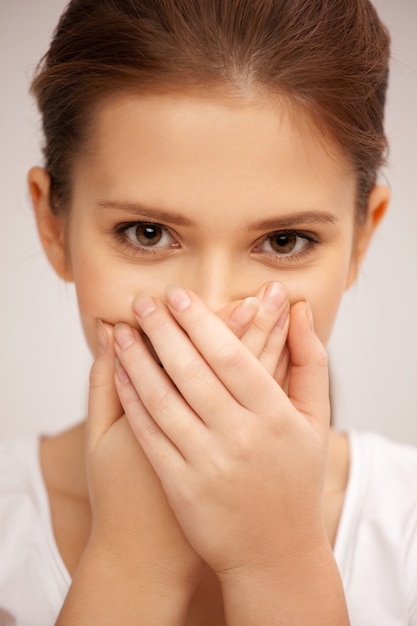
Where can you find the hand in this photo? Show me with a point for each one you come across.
(137, 567)
(117, 467)
(241, 462)
(262, 323)
(131, 515)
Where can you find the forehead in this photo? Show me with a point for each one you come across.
(195, 151)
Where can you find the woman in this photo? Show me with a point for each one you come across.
(210, 188)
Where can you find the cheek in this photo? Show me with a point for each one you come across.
(324, 312)
(105, 292)
(106, 284)
(324, 294)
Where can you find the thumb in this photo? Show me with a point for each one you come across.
(308, 387)
(104, 407)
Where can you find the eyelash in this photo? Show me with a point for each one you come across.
(120, 232)
(312, 241)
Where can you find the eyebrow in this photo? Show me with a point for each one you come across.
(154, 214)
(276, 223)
(295, 219)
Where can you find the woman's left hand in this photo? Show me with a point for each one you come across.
(242, 463)
(261, 323)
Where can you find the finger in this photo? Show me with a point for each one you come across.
(104, 406)
(308, 386)
(147, 431)
(182, 362)
(205, 360)
(272, 312)
(156, 411)
(262, 323)
(239, 315)
(282, 370)
(272, 356)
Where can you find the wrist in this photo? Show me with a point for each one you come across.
(130, 560)
(109, 588)
(302, 586)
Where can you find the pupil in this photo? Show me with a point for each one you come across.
(147, 234)
(283, 242)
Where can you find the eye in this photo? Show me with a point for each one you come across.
(147, 235)
(287, 243)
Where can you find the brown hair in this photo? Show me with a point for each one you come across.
(328, 56)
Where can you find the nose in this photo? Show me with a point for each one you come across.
(218, 280)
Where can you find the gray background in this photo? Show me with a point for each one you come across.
(43, 360)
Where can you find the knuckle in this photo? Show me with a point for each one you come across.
(230, 356)
(160, 401)
(198, 317)
(97, 377)
(186, 492)
(274, 346)
(151, 429)
(259, 325)
(157, 319)
(193, 368)
(219, 469)
(243, 443)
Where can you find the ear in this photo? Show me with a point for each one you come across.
(51, 227)
(378, 201)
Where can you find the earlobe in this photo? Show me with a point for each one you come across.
(378, 202)
(51, 227)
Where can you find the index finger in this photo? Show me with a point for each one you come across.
(104, 406)
(234, 365)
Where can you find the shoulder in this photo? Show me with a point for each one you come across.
(20, 490)
(376, 546)
(29, 566)
(382, 488)
(384, 467)
(21, 502)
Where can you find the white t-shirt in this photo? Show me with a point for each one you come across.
(376, 546)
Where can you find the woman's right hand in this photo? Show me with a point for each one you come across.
(138, 566)
(130, 512)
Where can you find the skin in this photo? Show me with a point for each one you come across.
(221, 176)
(249, 171)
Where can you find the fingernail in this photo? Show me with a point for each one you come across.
(274, 296)
(102, 341)
(123, 335)
(245, 311)
(309, 315)
(283, 317)
(121, 372)
(144, 306)
(178, 298)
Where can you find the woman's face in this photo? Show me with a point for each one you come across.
(216, 195)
